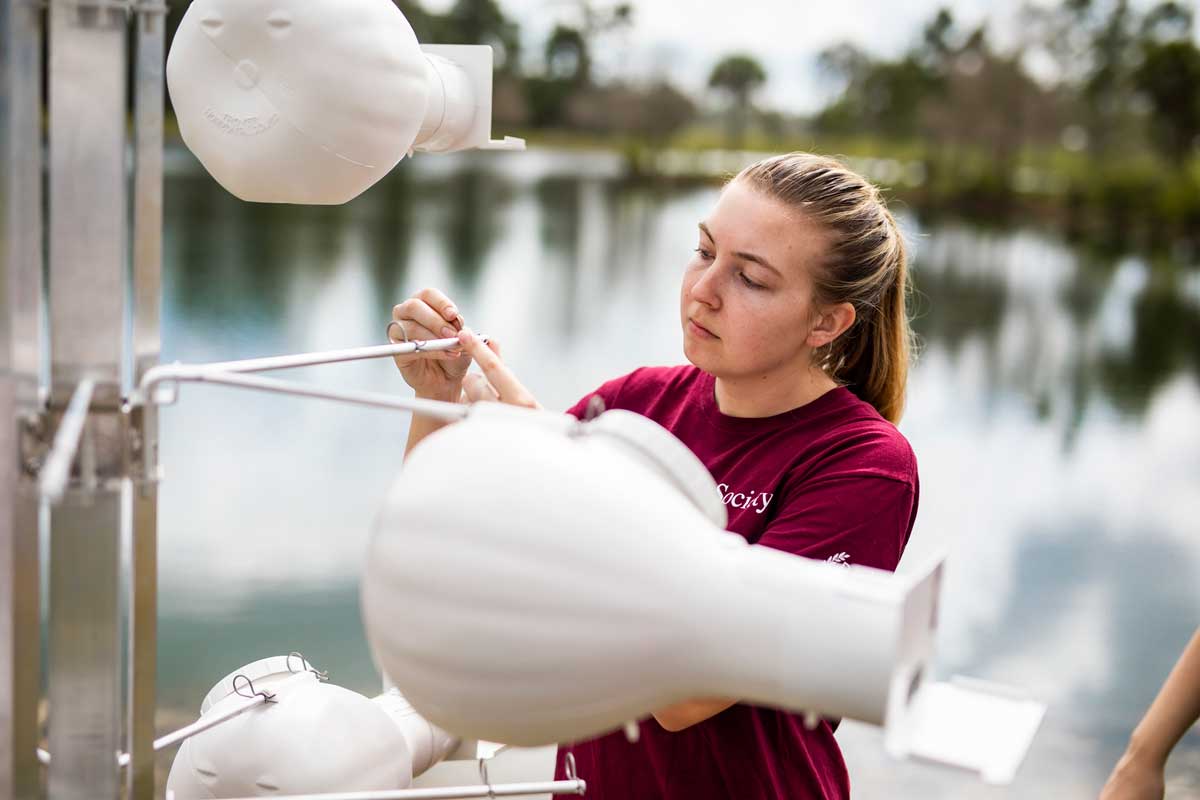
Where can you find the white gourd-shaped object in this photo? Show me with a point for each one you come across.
(533, 579)
(526, 585)
(313, 737)
(313, 101)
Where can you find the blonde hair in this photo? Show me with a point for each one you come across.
(866, 266)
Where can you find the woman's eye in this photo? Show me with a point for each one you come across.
(703, 253)
(749, 282)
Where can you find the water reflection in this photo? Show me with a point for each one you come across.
(1055, 412)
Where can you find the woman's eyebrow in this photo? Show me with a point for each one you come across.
(744, 256)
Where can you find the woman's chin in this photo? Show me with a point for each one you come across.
(698, 356)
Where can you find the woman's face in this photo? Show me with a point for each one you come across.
(749, 285)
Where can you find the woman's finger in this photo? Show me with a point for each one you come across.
(477, 389)
(443, 306)
(420, 312)
(417, 332)
(502, 379)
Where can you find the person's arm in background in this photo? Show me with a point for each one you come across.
(1139, 773)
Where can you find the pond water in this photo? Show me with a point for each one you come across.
(1054, 411)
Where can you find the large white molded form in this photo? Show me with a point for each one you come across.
(314, 101)
(533, 579)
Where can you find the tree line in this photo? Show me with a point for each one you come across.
(1116, 80)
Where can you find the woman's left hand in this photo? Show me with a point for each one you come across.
(498, 383)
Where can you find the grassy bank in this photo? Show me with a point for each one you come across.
(1135, 200)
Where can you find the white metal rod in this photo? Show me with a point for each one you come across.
(57, 470)
(576, 786)
(450, 412)
(164, 373)
(310, 359)
(210, 720)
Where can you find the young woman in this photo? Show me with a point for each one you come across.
(795, 325)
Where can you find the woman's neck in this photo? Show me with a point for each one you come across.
(768, 395)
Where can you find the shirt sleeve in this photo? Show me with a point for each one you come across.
(609, 392)
(845, 519)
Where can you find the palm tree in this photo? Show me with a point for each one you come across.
(739, 75)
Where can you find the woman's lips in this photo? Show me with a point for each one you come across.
(700, 331)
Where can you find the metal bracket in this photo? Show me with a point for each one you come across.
(37, 433)
(34, 442)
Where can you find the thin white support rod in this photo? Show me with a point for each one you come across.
(152, 375)
(450, 412)
(166, 373)
(576, 786)
(210, 720)
(57, 471)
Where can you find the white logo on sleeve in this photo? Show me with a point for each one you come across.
(839, 558)
(755, 500)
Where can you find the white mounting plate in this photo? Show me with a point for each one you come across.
(971, 724)
(476, 61)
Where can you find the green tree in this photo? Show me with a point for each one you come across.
(481, 22)
(878, 95)
(567, 57)
(739, 76)
(1095, 46)
(1169, 77)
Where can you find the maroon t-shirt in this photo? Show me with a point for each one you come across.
(831, 480)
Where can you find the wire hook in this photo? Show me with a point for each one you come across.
(265, 695)
(483, 775)
(397, 323)
(305, 666)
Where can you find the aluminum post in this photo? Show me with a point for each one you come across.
(88, 279)
(149, 35)
(21, 239)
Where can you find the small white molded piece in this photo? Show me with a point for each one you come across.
(459, 114)
(971, 724)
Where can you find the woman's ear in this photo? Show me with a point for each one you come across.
(831, 323)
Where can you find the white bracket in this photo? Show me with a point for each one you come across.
(475, 63)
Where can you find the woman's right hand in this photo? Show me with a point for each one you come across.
(432, 374)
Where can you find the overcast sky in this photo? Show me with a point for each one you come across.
(684, 39)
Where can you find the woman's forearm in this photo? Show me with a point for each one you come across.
(1173, 711)
(688, 713)
(422, 425)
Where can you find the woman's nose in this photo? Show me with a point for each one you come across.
(705, 289)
